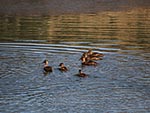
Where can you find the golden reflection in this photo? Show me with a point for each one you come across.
(125, 26)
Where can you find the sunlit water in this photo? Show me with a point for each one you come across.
(120, 82)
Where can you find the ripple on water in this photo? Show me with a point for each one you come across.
(117, 83)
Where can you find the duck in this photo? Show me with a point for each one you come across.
(86, 61)
(47, 68)
(63, 67)
(94, 58)
(94, 54)
(81, 74)
(89, 56)
(84, 56)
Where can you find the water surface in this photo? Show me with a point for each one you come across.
(120, 82)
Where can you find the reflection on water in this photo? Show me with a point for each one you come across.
(120, 83)
(123, 30)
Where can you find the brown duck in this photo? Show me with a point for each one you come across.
(88, 56)
(86, 61)
(63, 67)
(81, 74)
(94, 54)
(47, 68)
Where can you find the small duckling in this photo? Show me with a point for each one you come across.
(87, 62)
(87, 56)
(94, 58)
(63, 67)
(47, 68)
(95, 54)
(84, 55)
(81, 74)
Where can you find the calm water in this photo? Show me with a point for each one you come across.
(119, 84)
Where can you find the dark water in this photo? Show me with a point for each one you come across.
(119, 84)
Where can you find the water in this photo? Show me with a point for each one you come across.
(119, 84)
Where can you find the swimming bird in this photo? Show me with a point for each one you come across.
(47, 68)
(94, 54)
(91, 56)
(84, 55)
(81, 74)
(86, 61)
(94, 58)
(63, 67)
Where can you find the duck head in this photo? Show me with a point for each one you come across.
(45, 62)
(61, 64)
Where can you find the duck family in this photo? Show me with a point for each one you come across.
(88, 58)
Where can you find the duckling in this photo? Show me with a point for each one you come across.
(95, 54)
(47, 68)
(94, 58)
(63, 67)
(81, 74)
(84, 55)
(89, 63)
(89, 57)
(86, 61)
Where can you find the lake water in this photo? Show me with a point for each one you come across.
(119, 84)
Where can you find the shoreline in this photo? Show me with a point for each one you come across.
(59, 7)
